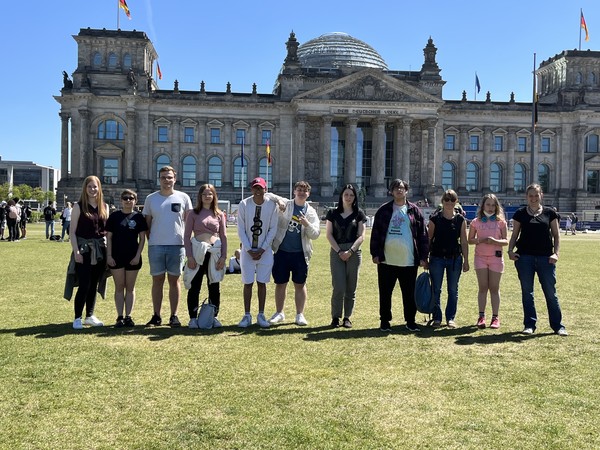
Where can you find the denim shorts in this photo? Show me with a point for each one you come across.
(166, 258)
(285, 262)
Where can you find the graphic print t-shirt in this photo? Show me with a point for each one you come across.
(292, 242)
(398, 248)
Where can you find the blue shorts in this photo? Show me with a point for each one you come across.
(285, 262)
(166, 258)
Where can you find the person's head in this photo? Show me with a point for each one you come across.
(349, 197)
(399, 190)
(490, 205)
(167, 177)
(11, 203)
(449, 198)
(50, 204)
(258, 187)
(128, 199)
(207, 198)
(69, 205)
(301, 191)
(91, 191)
(534, 194)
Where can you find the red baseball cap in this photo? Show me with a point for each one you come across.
(258, 181)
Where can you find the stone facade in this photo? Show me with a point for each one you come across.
(330, 126)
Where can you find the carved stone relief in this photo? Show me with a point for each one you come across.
(369, 88)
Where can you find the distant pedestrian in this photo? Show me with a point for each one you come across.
(66, 221)
(49, 213)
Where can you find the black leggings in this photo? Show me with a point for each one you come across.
(88, 277)
(193, 295)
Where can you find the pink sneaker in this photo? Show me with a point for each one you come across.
(495, 324)
(481, 322)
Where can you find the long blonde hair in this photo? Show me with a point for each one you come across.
(214, 206)
(499, 212)
(84, 198)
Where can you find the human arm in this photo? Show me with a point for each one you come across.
(109, 258)
(241, 226)
(187, 240)
(72, 233)
(473, 239)
(311, 225)
(223, 236)
(141, 243)
(464, 245)
(555, 231)
(513, 240)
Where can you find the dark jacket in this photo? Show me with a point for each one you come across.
(417, 227)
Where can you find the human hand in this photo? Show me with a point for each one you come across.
(191, 263)
(553, 258)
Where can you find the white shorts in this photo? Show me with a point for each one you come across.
(259, 270)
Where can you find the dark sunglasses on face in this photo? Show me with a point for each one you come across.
(449, 200)
(128, 199)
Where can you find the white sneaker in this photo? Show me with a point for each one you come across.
(246, 321)
(217, 323)
(300, 320)
(193, 323)
(261, 320)
(277, 318)
(93, 321)
(527, 330)
(78, 324)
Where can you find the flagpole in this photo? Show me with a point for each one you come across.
(533, 108)
(475, 89)
(267, 176)
(580, 21)
(119, 24)
(243, 178)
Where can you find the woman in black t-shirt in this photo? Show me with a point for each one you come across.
(125, 241)
(345, 228)
(536, 235)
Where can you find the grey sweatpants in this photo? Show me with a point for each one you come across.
(344, 278)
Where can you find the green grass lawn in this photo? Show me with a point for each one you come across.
(292, 387)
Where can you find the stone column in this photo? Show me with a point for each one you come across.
(227, 160)
(430, 179)
(580, 157)
(534, 157)
(251, 151)
(510, 160)
(326, 185)
(87, 153)
(461, 175)
(487, 154)
(202, 170)
(64, 144)
(404, 172)
(378, 187)
(130, 159)
(555, 178)
(176, 146)
(300, 156)
(350, 151)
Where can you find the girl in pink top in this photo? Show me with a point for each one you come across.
(207, 222)
(488, 233)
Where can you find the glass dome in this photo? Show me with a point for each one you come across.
(336, 50)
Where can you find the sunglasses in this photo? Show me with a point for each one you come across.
(449, 200)
(128, 199)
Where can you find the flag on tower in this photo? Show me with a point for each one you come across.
(158, 72)
(584, 27)
(268, 153)
(242, 152)
(124, 7)
(477, 85)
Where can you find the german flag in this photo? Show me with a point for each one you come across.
(124, 7)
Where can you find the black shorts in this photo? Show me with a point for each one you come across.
(124, 264)
(285, 262)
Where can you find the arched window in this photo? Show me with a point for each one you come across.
(97, 60)
(262, 172)
(592, 78)
(215, 171)
(127, 61)
(188, 175)
(578, 78)
(591, 143)
(544, 177)
(472, 177)
(112, 61)
(161, 161)
(520, 177)
(496, 177)
(240, 173)
(110, 129)
(448, 176)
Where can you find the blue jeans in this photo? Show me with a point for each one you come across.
(527, 266)
(49, 228)
(453, 269)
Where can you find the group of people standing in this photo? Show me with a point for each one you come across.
(14, 216)
(276, 237)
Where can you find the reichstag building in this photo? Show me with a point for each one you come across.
(337, 115)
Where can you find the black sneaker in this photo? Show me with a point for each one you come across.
(335, 322)
(412, 327)
(119, 323)
(385, 326)
(156, 321)
(174, 321)
(347, 323)
(128, 322)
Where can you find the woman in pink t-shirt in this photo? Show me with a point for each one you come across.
(488, 233)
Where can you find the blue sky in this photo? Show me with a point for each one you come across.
(244, 42)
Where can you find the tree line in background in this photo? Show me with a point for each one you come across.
(26, 193)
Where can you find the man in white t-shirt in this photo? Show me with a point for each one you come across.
(165, 213)
(257, 226)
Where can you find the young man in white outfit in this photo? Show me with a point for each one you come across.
(257, 225)
(165, 213)
(298, 226)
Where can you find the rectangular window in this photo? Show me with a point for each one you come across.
(110, 171)
(498, 143)
(545, 145)
(593, 181)
(592, 143)
(450, 142)
(188, 134)
(266, 136)
(240, 136)
(474, 143)
(163, 134)
(522, 144)
(215, 135)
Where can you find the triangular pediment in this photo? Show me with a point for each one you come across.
(593, 162)
(109, 149)
(369, 85)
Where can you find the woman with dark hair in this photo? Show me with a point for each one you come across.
(206, 252)
(125, 241)
(12, 220)
(88, 230)
(536, 235)
(345, 229)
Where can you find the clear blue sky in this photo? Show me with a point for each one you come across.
(244, 42)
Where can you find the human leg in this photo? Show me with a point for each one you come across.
(118, 276)
(352, 273)
(193, 294)
(48, 229)
(407, 278)
(130, 279)
(453, 271)
(280, 294)
(262, 296)
(90, 301)
(247, 297)
(525, 266)
(483, 286)
(338, 282)
(436, 271)
(387, 277)
(300, 295)
(174, 292)
(547, 276)
(494, 285)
